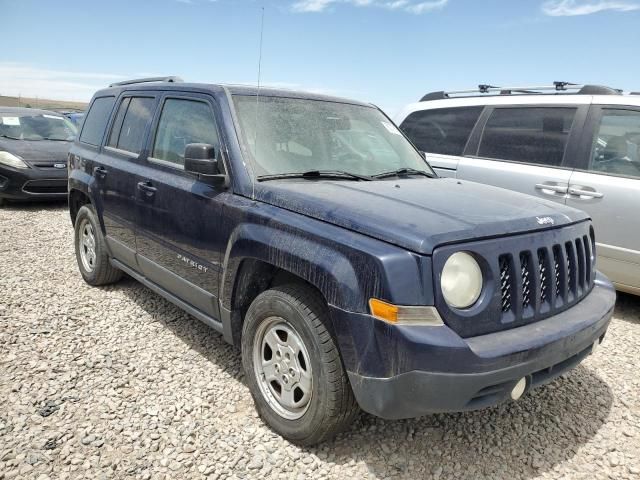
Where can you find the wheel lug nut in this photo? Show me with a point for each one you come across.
(291, 371)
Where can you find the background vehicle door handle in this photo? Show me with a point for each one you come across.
(147, 188)
(585, 193)
(99, 172)
(552, 187)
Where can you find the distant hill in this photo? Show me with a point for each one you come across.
(41, 103)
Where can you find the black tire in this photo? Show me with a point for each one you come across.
(99, 271)
(332, 406)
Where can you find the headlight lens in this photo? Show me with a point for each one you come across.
(461, 280)
(12, 160)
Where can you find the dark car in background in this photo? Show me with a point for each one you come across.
(74, 116)
(33, 153)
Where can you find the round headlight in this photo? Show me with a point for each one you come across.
(461, 280)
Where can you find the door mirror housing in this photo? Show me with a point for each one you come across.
(200, 158)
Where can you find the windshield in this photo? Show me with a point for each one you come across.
(294, 136)
(36, 127)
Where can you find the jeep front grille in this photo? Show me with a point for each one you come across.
(536, 275)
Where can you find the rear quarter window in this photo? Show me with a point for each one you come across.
(536, 135)
(441, 130)
(96, 120)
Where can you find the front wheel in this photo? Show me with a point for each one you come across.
(91, 250)
(293, 367)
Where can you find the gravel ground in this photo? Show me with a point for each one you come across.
(117, 383)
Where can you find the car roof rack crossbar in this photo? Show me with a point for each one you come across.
(172, 79)
(557, 87)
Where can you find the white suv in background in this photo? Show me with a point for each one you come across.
(575, 144)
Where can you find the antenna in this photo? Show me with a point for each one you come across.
(253, 181)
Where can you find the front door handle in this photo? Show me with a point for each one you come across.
(581, 192)
(147, 189)
(552, 187)
(99, 172)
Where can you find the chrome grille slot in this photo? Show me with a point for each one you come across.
(527, 279)
(588, 260)
(557, 255)
(506, 278)
(543, 273)
(571, 268)
(581, 262)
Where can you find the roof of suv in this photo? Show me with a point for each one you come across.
(521, 99)
(176, 84)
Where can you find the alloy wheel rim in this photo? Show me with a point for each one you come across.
(87, 246)
(282, 367)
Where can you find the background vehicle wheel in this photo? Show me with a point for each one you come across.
(293, 367)
(91, 251)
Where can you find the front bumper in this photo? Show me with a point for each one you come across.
(32, 183)
(405, 372)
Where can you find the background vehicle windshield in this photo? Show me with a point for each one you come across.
(295, 135)
(36, 127)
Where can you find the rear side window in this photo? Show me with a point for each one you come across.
(529, 135)
(616, 147)
(96, 120)
(130, 126)
(183, 122)
(442, 130)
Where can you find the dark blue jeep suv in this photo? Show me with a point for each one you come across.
(310, 232)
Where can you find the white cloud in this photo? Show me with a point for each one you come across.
(29, 81)
(411, 6)
(569, 8)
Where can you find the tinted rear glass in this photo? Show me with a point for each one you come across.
(528, 135)
(442, 130)
(96, 120)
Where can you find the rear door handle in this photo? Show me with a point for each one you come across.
(581, 192)
(99, 172)
(147, 188)
(552, 187)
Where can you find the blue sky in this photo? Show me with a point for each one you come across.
(389, 52)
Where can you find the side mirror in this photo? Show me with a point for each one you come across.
(200, 158)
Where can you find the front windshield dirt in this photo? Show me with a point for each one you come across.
(36, 127)
(297, 135)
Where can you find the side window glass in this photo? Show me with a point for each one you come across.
(442, 130)
(134, 125)
(616, 146)
(528, 135)
(96, 120)
(117, 123)
(183, 122)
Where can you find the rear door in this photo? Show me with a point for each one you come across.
(116, 175)
(180, 234)
(442, 134)
(525, 148)
(606, 184)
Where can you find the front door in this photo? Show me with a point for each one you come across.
(607, 186)
(179, 215)
(523, 149)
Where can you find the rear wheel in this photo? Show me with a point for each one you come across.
(91, 251)
(293, 367)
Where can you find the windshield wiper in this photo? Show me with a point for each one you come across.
(9, 136)
(316, 174)
(401, 172)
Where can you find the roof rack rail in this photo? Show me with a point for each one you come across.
(557, 87)
(147, 80)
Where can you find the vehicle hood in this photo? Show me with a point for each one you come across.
(418, 214)
(37, 151)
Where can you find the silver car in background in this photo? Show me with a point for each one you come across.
(574, 144)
